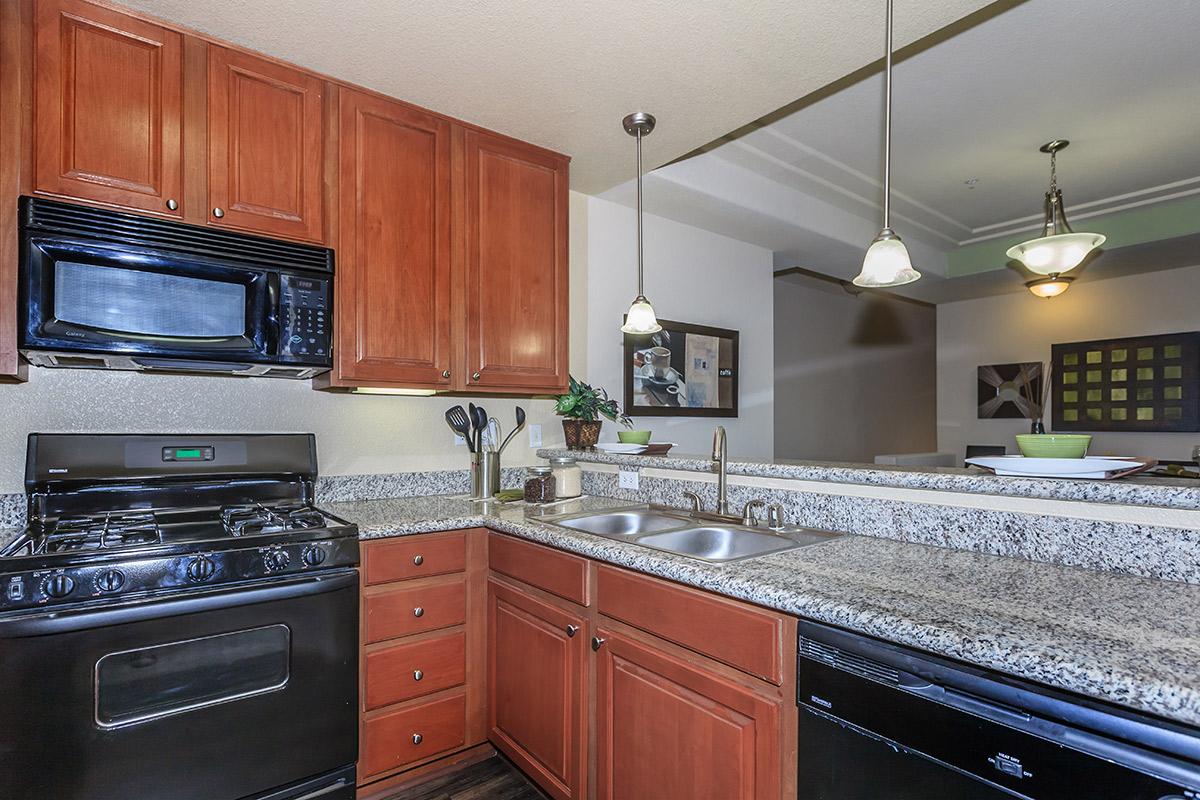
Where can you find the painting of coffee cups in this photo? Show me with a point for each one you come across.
(683, 370)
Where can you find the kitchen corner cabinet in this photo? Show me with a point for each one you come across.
(109, 108)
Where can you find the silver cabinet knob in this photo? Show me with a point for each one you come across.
(418, 560)
(572, 630)
(218, 212)
(418, 612)
(418, 674)
(597, 643)
(475, 376)
(418, 738)
(445, 373)
(172, 204)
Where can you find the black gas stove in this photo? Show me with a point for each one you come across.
(111, 515)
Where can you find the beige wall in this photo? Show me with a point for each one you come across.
(854, 375)
(1020, 327)
(355, 433)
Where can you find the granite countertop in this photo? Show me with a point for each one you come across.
(1127, 640)
(1139, 490)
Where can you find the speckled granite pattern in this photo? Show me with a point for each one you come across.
(1162, 492)
(1151, 551)
(7, 534)
(1119, 638)
(12, 510)
(338, 488)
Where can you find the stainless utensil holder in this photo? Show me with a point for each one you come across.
(485, 474)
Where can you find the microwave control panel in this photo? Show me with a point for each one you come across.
(306, 310)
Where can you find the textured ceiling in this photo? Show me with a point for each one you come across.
(563, 74)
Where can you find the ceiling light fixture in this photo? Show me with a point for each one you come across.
(1059, 249)
(1051, 286)
(887, 262)
(640, 318)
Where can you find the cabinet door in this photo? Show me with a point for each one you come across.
(108, 108)
(537, 688)
(265, 146)
(516, 265)
(393, 288)
(673, 730)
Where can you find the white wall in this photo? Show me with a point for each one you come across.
(1020, 327)
(692, 276)
(854, 374)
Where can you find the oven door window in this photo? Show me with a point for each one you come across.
(134, 686)
(142, 303)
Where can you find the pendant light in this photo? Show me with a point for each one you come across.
(887, 262)
(640, 319)
(1051, 286)
(1059, 249)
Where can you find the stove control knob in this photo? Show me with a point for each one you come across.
(110, 580)
(58, 585)
(313, 555)
(200, 569)
(276, 560)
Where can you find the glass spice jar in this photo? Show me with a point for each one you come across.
(539, 485)
(568, 477)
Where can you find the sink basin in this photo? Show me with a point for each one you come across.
(718, 543)
(624, 524)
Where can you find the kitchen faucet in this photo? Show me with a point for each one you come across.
(720, 457)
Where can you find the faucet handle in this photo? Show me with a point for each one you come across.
(775, 516)
(696, 502)
(748, 517)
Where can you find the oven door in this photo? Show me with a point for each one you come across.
(99, 298)
(220, 695)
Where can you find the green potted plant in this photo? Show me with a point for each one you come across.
(582, 406)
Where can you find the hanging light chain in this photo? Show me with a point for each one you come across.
(641, 289)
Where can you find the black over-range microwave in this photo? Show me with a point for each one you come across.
(108, 290)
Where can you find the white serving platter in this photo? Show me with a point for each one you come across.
(1090, 467)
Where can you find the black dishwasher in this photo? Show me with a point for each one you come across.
(883, 722)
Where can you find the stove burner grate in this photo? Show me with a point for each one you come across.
(255, 519)
(109, 530)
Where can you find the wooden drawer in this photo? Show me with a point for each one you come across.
(553, 571)
(731, 632)
(405, 611)
(413, 734)
(390, 674)
(414, 557)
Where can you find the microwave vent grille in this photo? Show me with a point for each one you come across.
(174, 237)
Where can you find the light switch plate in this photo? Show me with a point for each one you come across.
(535, 435)
(628, 479)
(460, 440)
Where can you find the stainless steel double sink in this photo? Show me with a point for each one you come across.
(692, 536)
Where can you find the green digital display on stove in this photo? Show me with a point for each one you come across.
(187, 454)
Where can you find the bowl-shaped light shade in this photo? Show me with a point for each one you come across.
(640, 318)
(1049, 287)
(886, 264)
(1054, 255)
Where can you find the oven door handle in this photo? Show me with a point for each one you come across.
(47, 622)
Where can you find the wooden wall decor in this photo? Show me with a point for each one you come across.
(1142, 383)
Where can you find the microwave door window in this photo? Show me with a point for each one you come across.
(148, 304)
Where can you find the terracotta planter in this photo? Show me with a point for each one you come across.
(581, 435)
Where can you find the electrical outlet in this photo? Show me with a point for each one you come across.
(535, 435)
(628, 479)
(460, 440)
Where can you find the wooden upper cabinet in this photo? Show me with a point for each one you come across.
(108, 107)
(394, 290)
(515, 207)
(266, 146)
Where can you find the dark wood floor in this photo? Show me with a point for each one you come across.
(492, 779)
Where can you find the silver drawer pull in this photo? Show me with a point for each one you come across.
(572, 630)
(418, 560)
(418, 674)
(418, 612)
(218, 212)
(172, 204)
(418, 738)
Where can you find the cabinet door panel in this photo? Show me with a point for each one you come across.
(108, 108)
(516, 256)
(723, 738)
(536, 687)
(394, 304)
(265, 146)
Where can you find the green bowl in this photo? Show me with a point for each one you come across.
(634, 437)
(1053, 445)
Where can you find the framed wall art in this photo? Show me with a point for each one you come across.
(682, 371)
(1008, 391)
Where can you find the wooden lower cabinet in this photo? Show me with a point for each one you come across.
(537, 687)
(670, 729)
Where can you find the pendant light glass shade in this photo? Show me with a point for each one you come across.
(641, 318)
(886, 262)
(1059, 248)
(1049, 287)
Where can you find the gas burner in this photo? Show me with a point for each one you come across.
(252, 520)
(72, 534)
